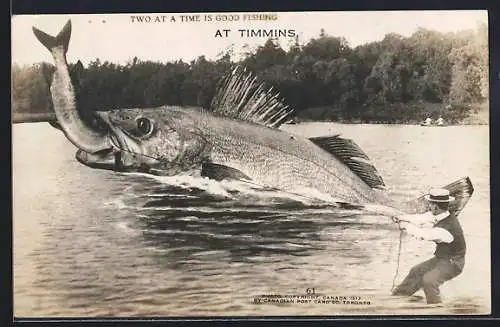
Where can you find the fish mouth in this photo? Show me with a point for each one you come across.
(107, 159)
(114, 160)
(122, 155)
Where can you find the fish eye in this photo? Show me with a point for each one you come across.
(144, 126)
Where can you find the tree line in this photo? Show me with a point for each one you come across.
(397, 79)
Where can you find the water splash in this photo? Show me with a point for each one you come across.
(240, 191)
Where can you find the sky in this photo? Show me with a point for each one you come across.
(118, 37)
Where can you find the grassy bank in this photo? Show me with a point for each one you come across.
(33, 117)
(476, 114)
(479, 116)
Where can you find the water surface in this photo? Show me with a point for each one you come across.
(98, 243)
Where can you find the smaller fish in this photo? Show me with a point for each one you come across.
(64, 98)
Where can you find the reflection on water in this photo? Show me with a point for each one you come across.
(97, 243)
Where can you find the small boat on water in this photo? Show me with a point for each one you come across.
(428, 123)
(435, 125)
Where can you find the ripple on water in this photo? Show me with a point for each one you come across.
(105, 244)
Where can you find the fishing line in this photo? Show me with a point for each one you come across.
(302, 196)
(311, 199)
(398, 260)
(247, 182)
(135, 153)
(401, 232)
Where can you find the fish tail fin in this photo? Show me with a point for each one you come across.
(51, 42)
(460, 189)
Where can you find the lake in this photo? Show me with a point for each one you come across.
(98, 243)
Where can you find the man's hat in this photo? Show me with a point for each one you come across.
(439, 195)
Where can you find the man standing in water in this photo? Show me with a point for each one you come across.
(442, 227)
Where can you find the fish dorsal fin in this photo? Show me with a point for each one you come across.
(352, 156)
(240, 95)
(221, 172)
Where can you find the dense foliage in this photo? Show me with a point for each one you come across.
(397, 79)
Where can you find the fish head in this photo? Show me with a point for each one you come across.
(160, 141)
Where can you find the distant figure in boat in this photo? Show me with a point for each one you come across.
(440, 121)
(427, 122)
(442, 227)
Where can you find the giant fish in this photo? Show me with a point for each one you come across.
(237, 138)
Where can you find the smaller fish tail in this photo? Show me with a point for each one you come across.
(52, 42)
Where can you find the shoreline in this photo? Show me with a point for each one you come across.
(387, 123)
(18, 118)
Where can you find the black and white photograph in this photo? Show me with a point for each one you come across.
(240, 164)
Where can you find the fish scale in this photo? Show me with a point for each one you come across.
(63, 95)
(274, 158)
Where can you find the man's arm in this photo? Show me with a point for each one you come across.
(422, 219)
(417, 219)
(435, 234)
